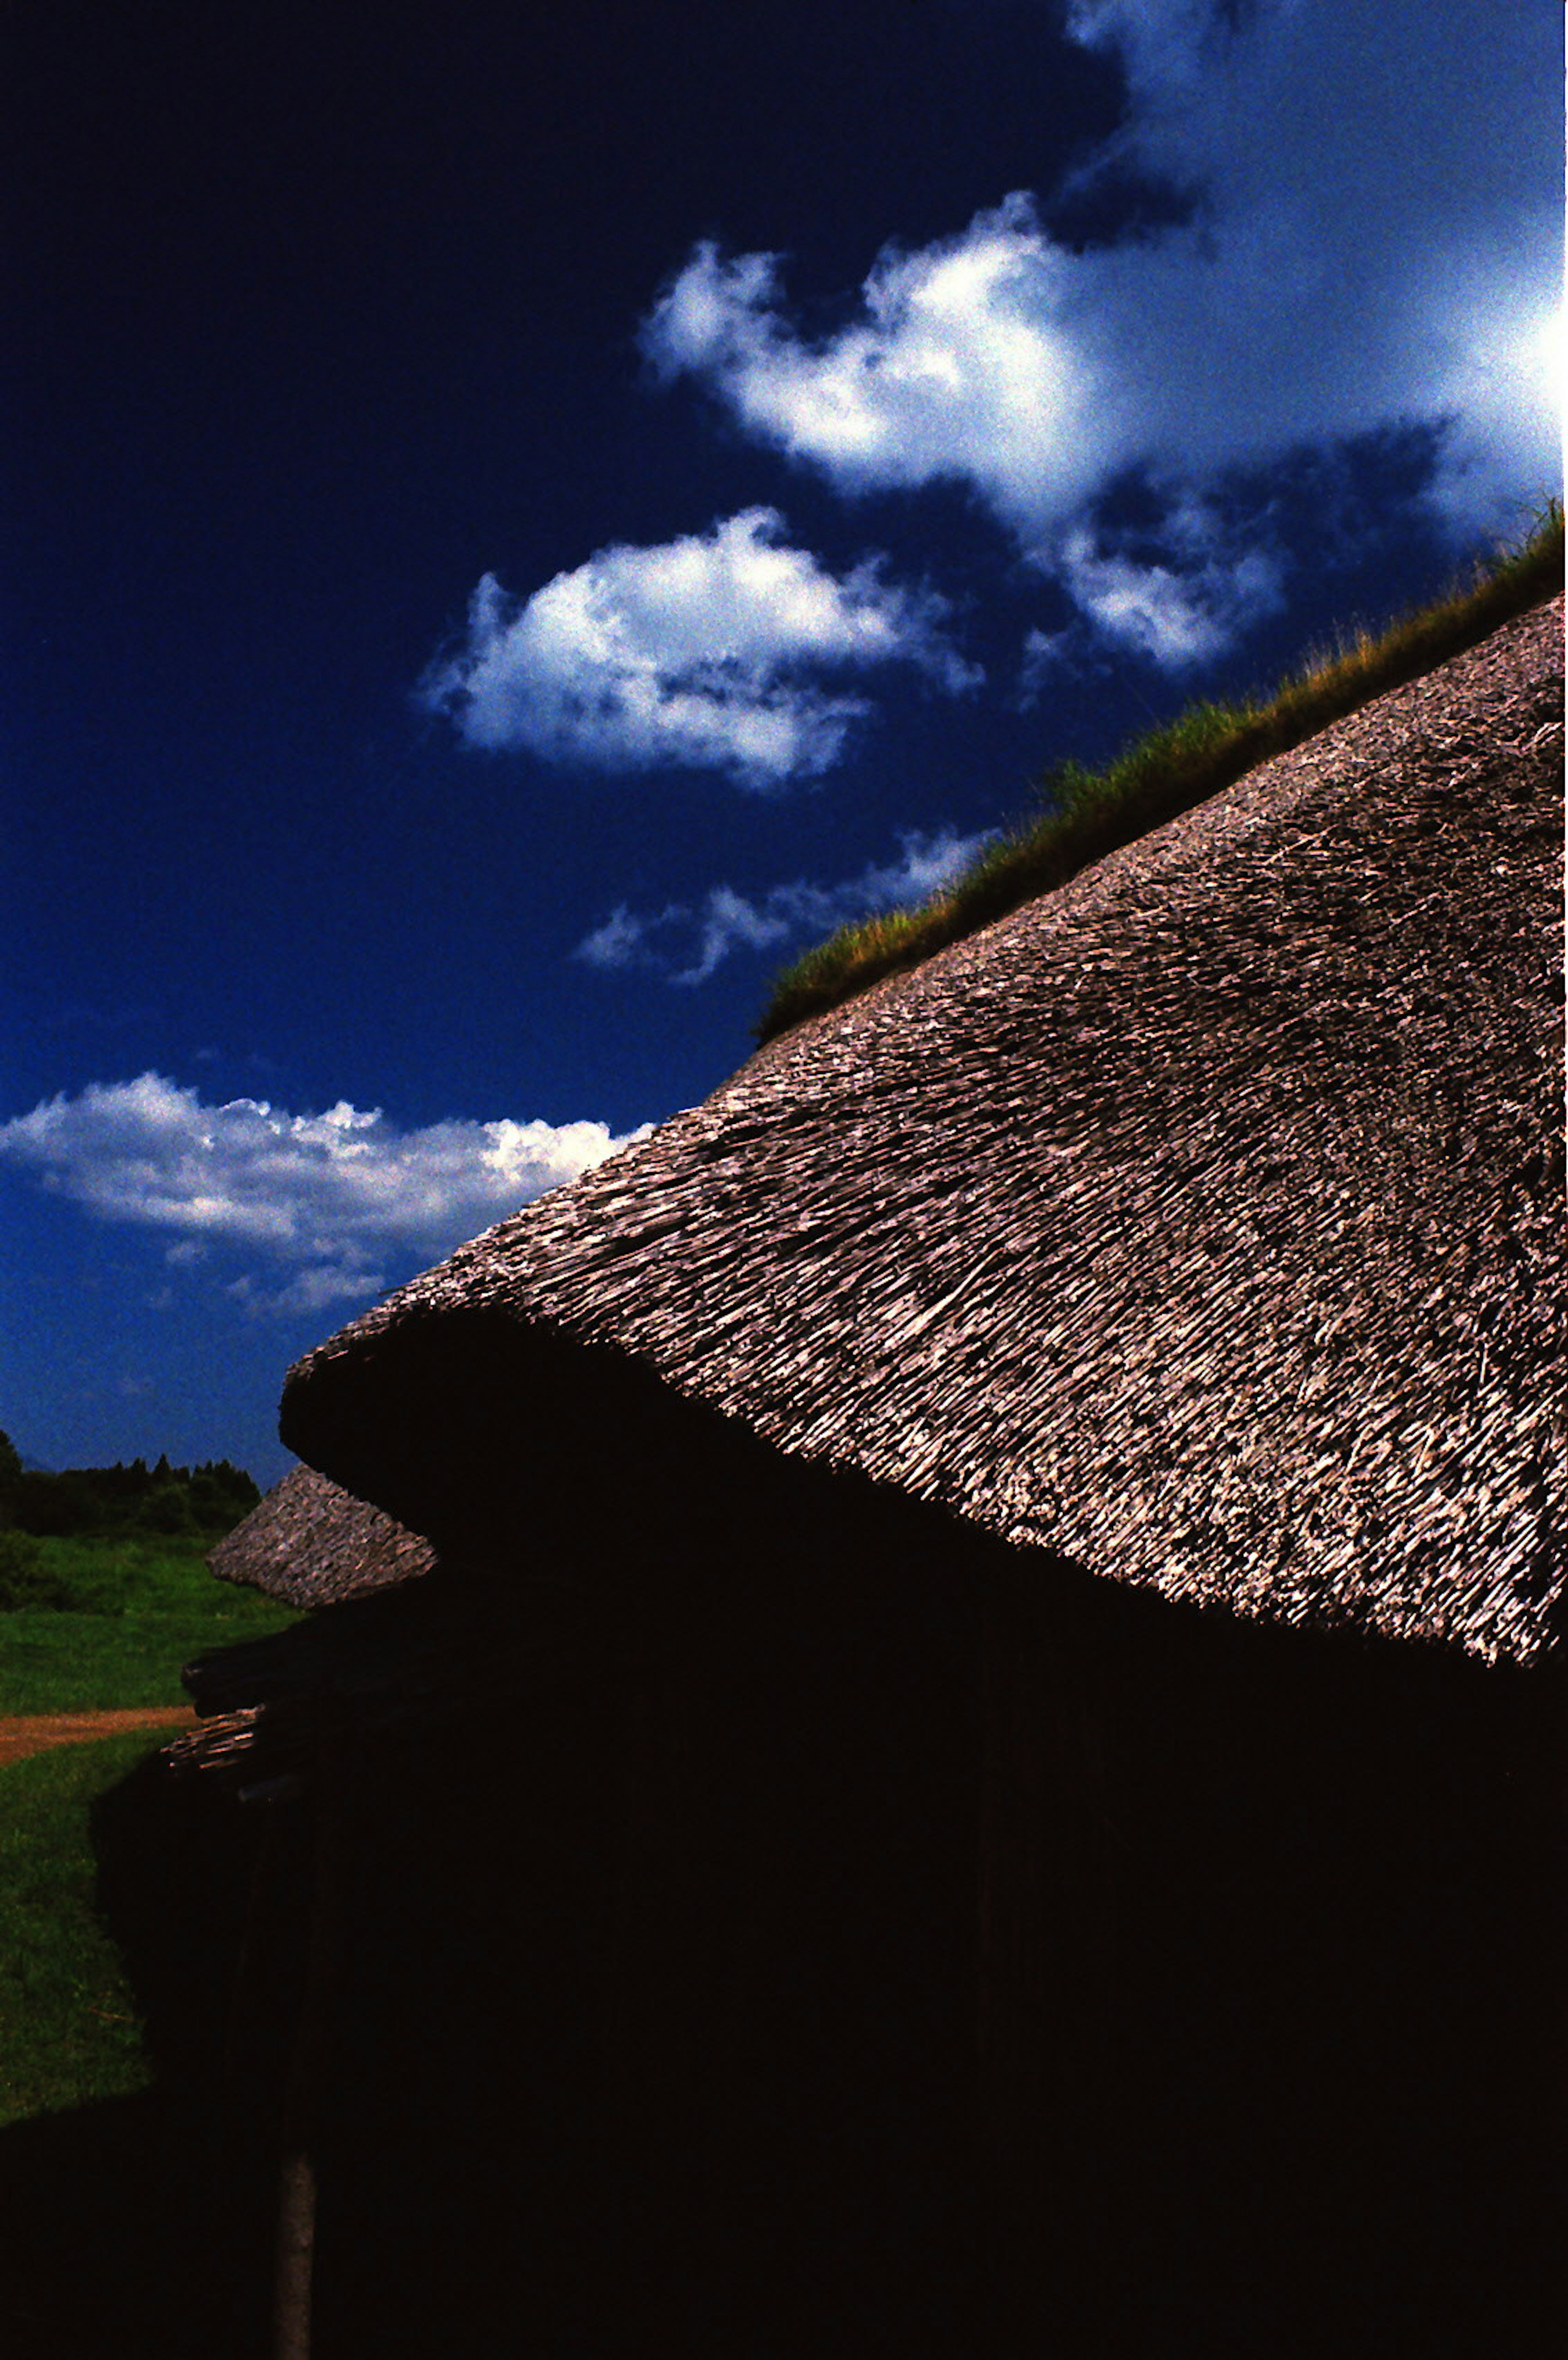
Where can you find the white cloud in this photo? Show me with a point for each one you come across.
(1375, 242)
(321, 1289)
(687, 942)
(1178, 613)
(324, 1198)
(1380, 236)
(705, 651)
(966, 365)
(618, 942)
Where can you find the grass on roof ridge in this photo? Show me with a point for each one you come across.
(1179, 763)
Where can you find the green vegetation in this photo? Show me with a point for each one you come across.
(69, 2031)
(104, 1594)
(132, 1576)
(1090, 813)
(103, 1587)
(98, 1623)
(55, 1661)
(173, 1503)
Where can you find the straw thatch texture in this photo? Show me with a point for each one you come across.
(310, 1544)
(1198, 1222)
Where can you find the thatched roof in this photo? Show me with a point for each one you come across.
(308, 1542)
(1199, 1222)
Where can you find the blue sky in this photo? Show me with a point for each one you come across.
(510, 534)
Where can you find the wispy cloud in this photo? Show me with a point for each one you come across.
(324, 1198)
(1177, 610)
(709, 651)
(322, 1290)
(687, 942)
(1370, 238)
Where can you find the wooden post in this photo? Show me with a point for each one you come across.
(297, 2165)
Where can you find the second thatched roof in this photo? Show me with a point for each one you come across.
(1198, 1222)
(309, 1544)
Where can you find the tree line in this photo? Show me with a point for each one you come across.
(163, 1502)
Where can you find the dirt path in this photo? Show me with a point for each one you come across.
(24, 1733)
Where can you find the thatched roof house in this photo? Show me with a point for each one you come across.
(1036, 1508)
(1199, 1222)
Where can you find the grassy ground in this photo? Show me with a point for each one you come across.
(1088, 813)
(69, 2031)
(134, 1612)
(119, 2213)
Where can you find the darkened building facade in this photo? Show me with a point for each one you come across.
(956, 1745)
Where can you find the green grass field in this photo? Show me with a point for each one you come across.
(138, 1609)
(132, 1611)
(69, 2031)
